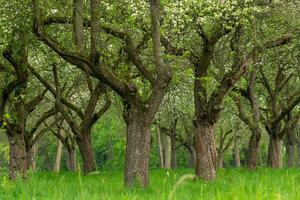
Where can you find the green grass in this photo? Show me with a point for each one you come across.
(231, 184)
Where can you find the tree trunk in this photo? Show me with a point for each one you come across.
(205, 150)
(71, 159)
(31, 156)
(274, 153)
(56, 166)
(253, 150)
(260, 158)
(110, 149)
(48, 163)
(86, 151)
(290, 145)
(298, 147)
(137, 150)
(290, 154)
(221, 160)
(17, 155)
(192, 155)
(160, 148)
(167, 151)
(173, 150)
(33, 161)
(237, 160)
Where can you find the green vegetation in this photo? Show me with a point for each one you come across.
(121, 99)
(231, 184)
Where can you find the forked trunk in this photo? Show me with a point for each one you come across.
(274, 153)
(137, 150)
(253, 150)
(17, 155)
(86, 151)
(205, 151)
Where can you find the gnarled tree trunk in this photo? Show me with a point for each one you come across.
(137, 149)
(86, 151)
(17, 154)
(205, 151)
(274, 153)
(253, 150)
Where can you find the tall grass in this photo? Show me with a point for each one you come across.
(231, 184)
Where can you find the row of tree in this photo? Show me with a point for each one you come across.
(64, 62)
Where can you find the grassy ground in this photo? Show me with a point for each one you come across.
(230, 184)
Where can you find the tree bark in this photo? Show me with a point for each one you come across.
(173, 149)
(290, 154)
(56, 166)
(33, 161)
(17, 155)
(290, 144)
(237, 160)
(298, 148)
(71, 159)
(29, 157)
(31, 154)
(192, 155)
(253, 150)
(221, 160)
(167, 151)
(160, 148)
(137, 149)
(205, 151)
(274, 153)
(86, 151)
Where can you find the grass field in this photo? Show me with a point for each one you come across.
(231, 184)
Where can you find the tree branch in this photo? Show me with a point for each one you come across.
(52, 90)
(30, 106)
(287, 110)
(238, 69)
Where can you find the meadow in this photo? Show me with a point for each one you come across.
(230, 184)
